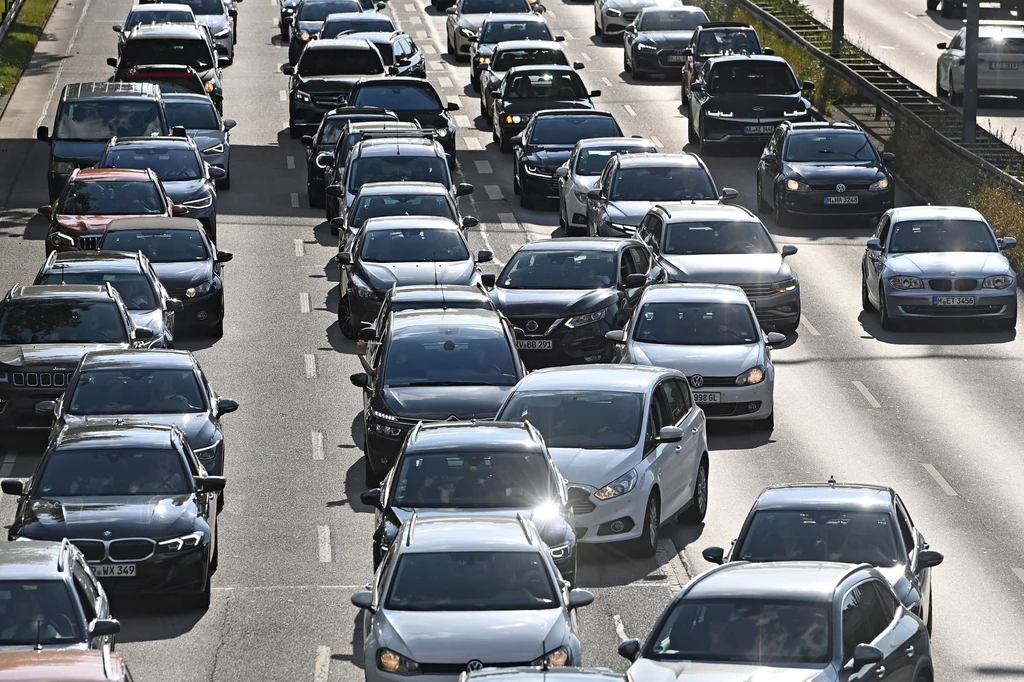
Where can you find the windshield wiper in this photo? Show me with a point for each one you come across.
(448, 383)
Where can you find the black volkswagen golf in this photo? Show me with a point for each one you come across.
(434, 365)
(566, 294)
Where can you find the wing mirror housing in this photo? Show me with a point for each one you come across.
(144, 334)
(367, 334)
(45, 211)
(594, 194)
(670, 434)
(808, 85)
(688, 52)
(306, 140)
(595, 93)
(559, 39)
(343, 258)
(697, 87)
(226, 406)
(363, 600)
(451, 10)
(470, 221)
(112, 62)
(323, 159)
(211, 484)
(43, 134)
(47, 408)
(634, 281)
(728, 194)
(517, 140)
(888, 157)
(117, 28)
(474, 39)
(775, 337)
(453, 106)
(175, 305)
(580, 598)
(484, 257)
(178, 210)
(630, 650)
(562, 172)
(104, 627)
(488, 279)
(942, 46)
(288, 69)
(217, 173)
(333, 191)
(865, 654)
(788, 250)
(769, 157)
(768, 51)
(13, 486)
(232, 12)
(338, 223)
(1007, 243)
(371, 498)
(463, 189)
(579, 66)
(714, 555)
(360, 379)
(874, 245)
(929, 558)
(229, 123)
(616, 335)
(224, 256)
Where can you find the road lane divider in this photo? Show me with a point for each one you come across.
(295, 199)
(317, 441)
(304, 305)
(809, 327)
(300, 250)
(867, 395)
(620, 630)
(323, 543)
(934, 473)
(483, 167)
(494, 192)
(322, 665)
(310, 361)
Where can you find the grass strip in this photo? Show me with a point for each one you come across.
(19, 44)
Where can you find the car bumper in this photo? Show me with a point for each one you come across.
(990, 304)
(569, 347)
(778, 309)
(462, 44)
(201, 311)
(814, 203)
(737, 402)
(309, 113)
(596, 526)
(742, 131)
(184, 572)
(539, 185)
(657, 62)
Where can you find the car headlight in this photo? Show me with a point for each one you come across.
(785, 286)
(215, 149)
(201, 202)
(797, 186)
(581, 196)
(442, 132)
(209, 86)
(208, 453)
(62, 166)
(997, 282)
(483, 60)
(466, 33)
(560, 551)
(904, 282)
(392, 662)
(223, 33)
(589, 318)
(363, 290)
(304, 35)
(879, 186)
(557, 658)
(612, 12)
(618, 487)
(384, 424)
(302, 96)
(754, 375)
(190, 541)
(199, 289)
(795, 112)
(621, 227)
(514, 119)
(645, 46)
(718, 113)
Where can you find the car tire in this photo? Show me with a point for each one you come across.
(762, 205)
(931, 612)
(225, 182)
(781, 216)
(348, 328)
(293, 131)
(217, 331)
(201, 600)
(790, 328)
(220, 502)
(449, 48)
(597, 29)
(516, 187)
(698, 508)
(504, 143)
(475, 84)
(865, 297)
(333, 228)
(939, 92)
(483, 111)
(647, 544)
(625, 62)
(886, 322)
(215, 559)
(284, 31)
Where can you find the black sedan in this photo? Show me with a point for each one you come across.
(846, 523)
(186, 261)
(525, 90)
(566, 294)
(656, 41)
(824, 169)
(508, 55)
(444, 365)
(547, 143)
(134, 499)
(743, 99)
(326, 137)
(502, 28)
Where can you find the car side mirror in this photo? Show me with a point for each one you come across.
(634, 281)
(517, 140)
(865, 654)
(942, 46)
(474, 39)
(232, 12)
(714, 555)
(616, 335)
(1007, 243)
(594, 194)
(226, 406)
(687, 51)
(562, 172)
(47, 408)
(630, 650)
(451, 10)
(360, 379)
(697, 87)
(559, 39)
(306, 140)
(453, 106)
(393, 69)
(363, 600)
(595, 93)
(343, 258)
(381, 5)
(768, 51)
(580, 598)
(888, 157)
(670, 434)
(229, 123)
(211, 484)
(463, 189)
(808, 85)
(112, 62)
(728, 194)
(224, 256)
(144, 334)
(484, 257)
(175, 305)
(333, 191)
(929, 558)
(489, 279)
(788, 250)
(178, 210)
(117, 28)
(179, 131)
(43, 134)
(371, 498)
(324, 159)
(12, 486)
(367, 333)
(217, 173)
(579, 66)
(104, 627)
(288, 69)
(338, 223)
(775, 337)
(769, 157)
(874, 245)
(519, 332)
(45, 211)
(469, 221)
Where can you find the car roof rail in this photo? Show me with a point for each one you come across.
(412, 528)
(65, 549)
(532, 430)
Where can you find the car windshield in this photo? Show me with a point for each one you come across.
(559, 270)
(137, 391)
(61, 321)
(695, 324)
(942, 236)
(37, 612)
(99, 119)
(471, 581)
(398, 169)
(592, 161)
(192, 114)
(499, 480)
(546, 85)
(591, 420)
(339, 62)
(134, 289)
(850, 537)
(413, 245)
(446, 356)
(195, 53)
(109, 471)
(686, 20)
(500, 31)
(756, 631)
(159, 246)
(160, 16)
(725, 42)
(204, 6)
(661, 183)
(168, 164)
(717, 238)
(495, 6)
(111, 198)
(829, 147)
(753, 78)
(507, 59)
(398, 98)
(398, 205)
(567, 130)
(319, 11)
(357, 22)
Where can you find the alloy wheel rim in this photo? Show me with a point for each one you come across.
(702, 490)
(652, 524)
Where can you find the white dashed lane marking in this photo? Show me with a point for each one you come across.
(483, 167)
(282, 95)
(620, 630)
(934, 473)
(445, 82)
(323, 542)
(462, 121)
(657, 142)
(493, 192)
(322, 666)
(473, 144)
(629, 110)
(310, 361)
(290, 161)
(295, 199)
(317, 440)
(867, 395)
(810, 327)
(1019, 572)
(304, 306)
(300, 250)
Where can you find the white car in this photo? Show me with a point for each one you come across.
(629, 440)
(579, 174)
(710, 333)
(612, 16)
(1000, 62)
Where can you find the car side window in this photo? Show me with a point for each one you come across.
(958, 41)
(705, 73)
(684, 392)
(883, 229)
(643, 229)
(863, 618)
(778, 141)
(657, 227)
(906, 526)
(605, 175)
(886, 607)
(86, 592)
(672, 402)
(641, 260)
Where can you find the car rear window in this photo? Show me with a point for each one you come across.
(61, 321)
(102, 119)
(340, 62)
(570, 129)
(134, 289)
(112, 198)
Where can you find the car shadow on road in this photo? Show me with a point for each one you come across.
(616, 564)
(935, 333)
(355, 485)
(356, 657)
(153, 619)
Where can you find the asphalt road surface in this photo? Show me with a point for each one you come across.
(935, 414)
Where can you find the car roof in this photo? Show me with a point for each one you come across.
(154, 223)
(165, 30)
(1000, 29)
(811, 126)
(402, 222)
(66, 291)
(194, 96)
(685, 211)
(748, 57)
(368, 17)
(90, 436)
(528, 44)
(34, 560)
(337, 44)
(409, 146)
(719, 293)
(162, 6)
(534, 674)
(935, 213)
(616, 378)
(658, 159)
(577, 244)
(789, 580)
(105, 90)
(88, 261)
(540, 68)
(135, 358)
(161, 142)
(467, 318)
(615, 142)
(811, 496)
(389, 188)
(113, 174)
(675, 9)
(60, 665)
(438, 292)
(468, 532)
(463, 437)
(525, 17)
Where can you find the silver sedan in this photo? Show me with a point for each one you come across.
(612, 16)
(938, 262)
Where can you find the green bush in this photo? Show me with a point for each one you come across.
(17, 48)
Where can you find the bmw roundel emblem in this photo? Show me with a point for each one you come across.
(474, 665)
(840, 188)
(532, 326)
(107, 534)
(696, 380)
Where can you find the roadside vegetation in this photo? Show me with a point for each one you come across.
(17, 48)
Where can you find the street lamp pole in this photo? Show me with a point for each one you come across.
(838, 29)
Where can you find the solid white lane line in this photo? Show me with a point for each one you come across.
(619, 629)
(282, 95)
(483, 167)
(867, 394)
(493, 192)
(323, 542)
(462, 121)
(295, 199)
(473, 144)
(299, 248)
(810, 327)
(290, 161)
(607, 82)
(7, 466)
(934, 473)
(1019, 572)
(410, 8)
(657, 142)
(629, 110)
(304, 306)
(63, 62)
(318, 445)
(445, 82)
(310, 361)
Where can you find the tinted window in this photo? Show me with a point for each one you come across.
(61, 321)
(717, 237)
(500, 31)
(744, 631)
(159, 246)
(37, 611)
(112, 198)
(506, 59)
(593, 160)
(194, 115)
(137, 391)
(135, 289)
(695, 324)
(559, 270)
(204, 6)
(163, 16)
(495, 6)
(120, 470)
(194, 53)
(863, 618)
(413, 245)
(852, 537)
(579, 419)
(450, 303)
(672, 21)
(753, 77)
(723, 42)
(829, 147)
(318, 11)
(168, 164)
(397, 98)
(432, 356)
(661, 183)
(930, 236)
(568, 130)
(546, 85)
(98, 119)
(339, 62)
(1001, 45)
(471, 581)
(356, 22)
(398, 169)
(398, 205)
(493, 479)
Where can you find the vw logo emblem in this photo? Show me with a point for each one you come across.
(532, 326)
(474, 665)
(696, 380)
(452, 418)
(107, 534)
(952, 274)
(758, 108)
(840, 188)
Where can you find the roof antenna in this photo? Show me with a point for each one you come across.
(832, 481)
(39, 636)
(61, 266)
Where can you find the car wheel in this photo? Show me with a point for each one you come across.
(334, 228)
(201, 601)
(931, 612)
(887, 323)
(449, 48)
(597, 28)
(698, 508)
(939, 92)
(865, 297)
(345, 321)
(504, 143)
(483, 111)
(284, 32)
(220, 502)
(762, 205)
(215, 559)
(625, 61)
(779, 212)
(647, 543)
(955, 98)
(218, 329)
(516, 187)
(475, 84)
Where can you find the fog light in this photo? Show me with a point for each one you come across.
(617, 526)
(383, 460)
(753, 407)
(201, 315)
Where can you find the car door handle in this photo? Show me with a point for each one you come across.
(695, 429)
(881, 671)
(678, 448)
(910, 650)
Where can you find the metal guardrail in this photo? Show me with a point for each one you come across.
(889, 90)
(9, 14)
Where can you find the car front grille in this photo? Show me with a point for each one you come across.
(539, 325)
(831, 187)
(962, 284)
(459, 668)
(40, 379)
(579, 500)
(330, 99)
(89, 242)
(713, 381)
(628, 17)
(759, 289)
(665, 58)
(131, 550)
(951, 311)
(93, 550)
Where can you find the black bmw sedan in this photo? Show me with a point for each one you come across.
(525, 90)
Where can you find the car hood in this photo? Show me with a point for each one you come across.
(206, 138)
(90, 224)
(729, 268)
(65, 355)
(472, 21)
(327, 83)
(184, 190)
(831, 172)
(150, 319)
(84, 154)
(669, 39)
(547, 157)
(531, 105)
(585, 183)
(214, 21)
(384, 275)
(628, 212)
(462, 636)
(964, 264)
(711, 361)
(152, 516)
(177, 276)
(742, 105)
(593, 468)
(700, 671)
(551, 302)
(197, 426)
(630, 4)
(438, 403)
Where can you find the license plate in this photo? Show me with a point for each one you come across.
(676, 58)
(705, 398)
(1003, 66)
(113, 570)
(952, 300)
(831, 201)
(758, 130)
(533, 344)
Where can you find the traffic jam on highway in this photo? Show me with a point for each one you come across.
(516, 412)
